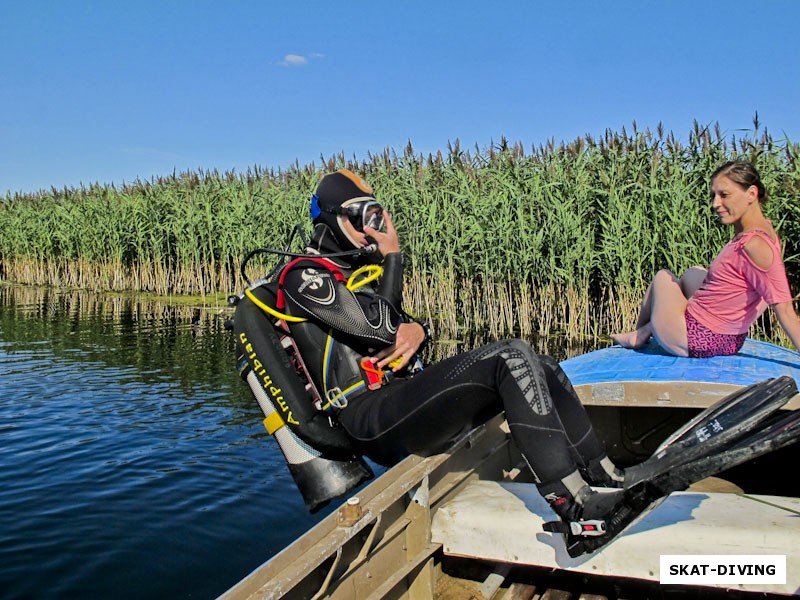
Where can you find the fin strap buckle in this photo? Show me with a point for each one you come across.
(587, 528)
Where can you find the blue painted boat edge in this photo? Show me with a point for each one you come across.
(756, 361)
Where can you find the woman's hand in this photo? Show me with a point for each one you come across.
(408, 340)
(387, 241)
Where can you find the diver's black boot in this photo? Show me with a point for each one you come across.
(574, 501)
(601, 472)
(589, 519)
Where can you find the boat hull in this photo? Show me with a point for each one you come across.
(394, 541)
(650, 377)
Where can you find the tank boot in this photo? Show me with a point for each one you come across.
(601, 472)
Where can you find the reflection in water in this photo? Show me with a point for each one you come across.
(134, 461)
(125, 332)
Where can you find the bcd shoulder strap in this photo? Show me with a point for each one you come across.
(323, 262)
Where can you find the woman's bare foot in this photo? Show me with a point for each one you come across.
(633, 339)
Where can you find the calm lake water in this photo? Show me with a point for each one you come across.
(133, 462)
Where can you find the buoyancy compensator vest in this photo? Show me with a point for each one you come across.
(318, 451)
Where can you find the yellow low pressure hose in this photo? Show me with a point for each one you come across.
(374, 271)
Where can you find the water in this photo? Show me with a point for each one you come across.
(133, 462)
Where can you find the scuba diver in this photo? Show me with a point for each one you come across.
(340, 303)
(352, 336)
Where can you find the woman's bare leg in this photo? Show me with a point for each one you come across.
(645, 308)
(634, 339)
(668, 314)
(693, 280)
(642, 334)
(663, 307)
(692, 275)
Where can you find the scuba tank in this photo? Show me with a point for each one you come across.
(318, 451)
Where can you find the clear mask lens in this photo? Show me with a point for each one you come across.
(363, 213)
(372, 216)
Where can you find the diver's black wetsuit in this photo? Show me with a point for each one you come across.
(424, 411)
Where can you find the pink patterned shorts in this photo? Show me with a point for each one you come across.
(704, 343)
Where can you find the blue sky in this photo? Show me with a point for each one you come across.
(113, 91)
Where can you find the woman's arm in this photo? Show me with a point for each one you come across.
(788, 319)
(771, 284)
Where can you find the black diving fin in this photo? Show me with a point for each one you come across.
(715, 428)
(745, 394)
(778, 431)
(688, 456)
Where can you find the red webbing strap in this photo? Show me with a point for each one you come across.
(330, 266)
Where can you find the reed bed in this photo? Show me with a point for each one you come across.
(559, 240)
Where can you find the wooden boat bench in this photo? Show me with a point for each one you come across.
(502, 522)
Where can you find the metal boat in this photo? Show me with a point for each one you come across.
(467, 523)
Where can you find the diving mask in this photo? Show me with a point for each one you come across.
(361, 212)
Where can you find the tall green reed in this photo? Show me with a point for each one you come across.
(560, 239)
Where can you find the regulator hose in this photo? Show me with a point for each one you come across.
(365, 250)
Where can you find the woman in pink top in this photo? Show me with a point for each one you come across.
(708, 312)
